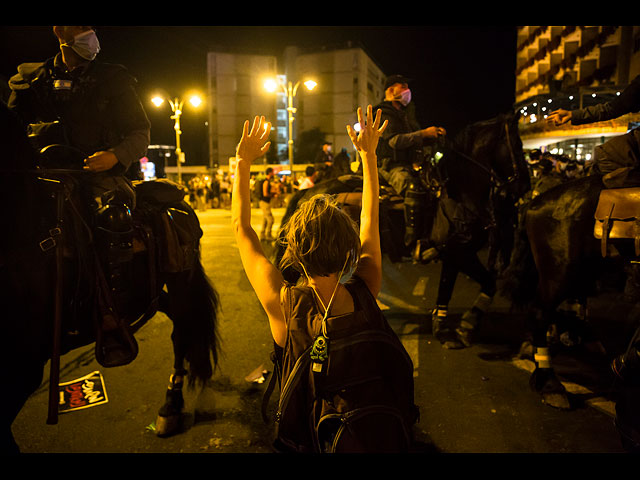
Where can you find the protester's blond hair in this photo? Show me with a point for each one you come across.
(319, 236)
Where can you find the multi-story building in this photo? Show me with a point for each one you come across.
(572, 67)
(346, 77)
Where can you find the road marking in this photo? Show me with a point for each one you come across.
(420, 287)
(387, 299)
(599, 403)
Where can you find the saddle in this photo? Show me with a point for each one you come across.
(618, 216)
(174, 223)
(167, 231)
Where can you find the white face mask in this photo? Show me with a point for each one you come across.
(404, 98)
(85, 44)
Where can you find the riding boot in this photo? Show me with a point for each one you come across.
(471, 319)
(114, 241)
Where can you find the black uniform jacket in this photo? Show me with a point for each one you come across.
(96, 105)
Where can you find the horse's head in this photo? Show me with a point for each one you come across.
(490, 150)
(508, 160)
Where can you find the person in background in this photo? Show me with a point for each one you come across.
(618, 159)
(266, 194)
(309, 179)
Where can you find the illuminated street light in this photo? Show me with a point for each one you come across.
(176, 107)
(290, 90)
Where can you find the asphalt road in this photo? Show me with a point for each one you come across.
(475, 400)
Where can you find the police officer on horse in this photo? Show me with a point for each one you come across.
(90, 108)
(400, 149)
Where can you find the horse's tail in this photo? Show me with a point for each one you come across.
(196, 337)
(519, 282)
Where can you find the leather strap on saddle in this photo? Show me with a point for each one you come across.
(618, 216)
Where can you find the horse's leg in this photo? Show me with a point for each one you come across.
(469, 264)
(440, 325)
(543, 380)
(553, 275)
(192, 305)
(170, 413)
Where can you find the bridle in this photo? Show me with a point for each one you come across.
(496, 181)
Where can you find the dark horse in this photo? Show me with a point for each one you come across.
(557, 257)
(472, 188)
(49, 294)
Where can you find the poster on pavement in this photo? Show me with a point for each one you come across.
(84, 392)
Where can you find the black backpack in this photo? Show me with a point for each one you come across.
(362, 399)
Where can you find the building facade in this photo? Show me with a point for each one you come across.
(572, 67)
(346, 78)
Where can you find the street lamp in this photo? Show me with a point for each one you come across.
(176, 107)
(290, 91)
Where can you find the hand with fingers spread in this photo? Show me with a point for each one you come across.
(254, 144)
(366, 141)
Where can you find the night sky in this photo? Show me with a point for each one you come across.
(462, 74)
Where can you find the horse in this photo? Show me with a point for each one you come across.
(557, 257)
(481, 168)
(50, 286)
(484, 175)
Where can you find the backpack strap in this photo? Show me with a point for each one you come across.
(277, 355)
(276, 358)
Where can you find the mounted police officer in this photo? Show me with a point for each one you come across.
(618, 159)
(73, 100)
(401, 149)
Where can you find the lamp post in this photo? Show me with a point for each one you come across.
(290, 90)
(176, 107)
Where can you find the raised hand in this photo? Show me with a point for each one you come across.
(366, 140)
(254, 144)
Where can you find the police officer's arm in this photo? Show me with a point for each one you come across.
(264, 277)
(627, 102)
(401, 141)
(130, 123)
(22, 99)
(365, 142)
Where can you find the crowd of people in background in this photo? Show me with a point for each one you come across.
(214, 191)
(548, 170)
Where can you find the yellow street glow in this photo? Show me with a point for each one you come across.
(195, 100)
(270, 85)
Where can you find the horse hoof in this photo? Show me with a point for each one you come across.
(167, 426)
(452, 345)
(556, 400)
(552, 391)
(526, 351)
(465, 335)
